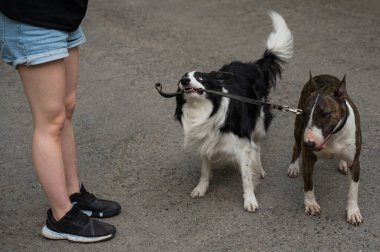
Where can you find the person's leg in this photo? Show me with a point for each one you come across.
(91, 205)
(68, 137)
(45, 88)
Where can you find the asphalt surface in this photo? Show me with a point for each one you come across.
(130, 147)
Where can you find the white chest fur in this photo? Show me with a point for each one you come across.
(197, 123)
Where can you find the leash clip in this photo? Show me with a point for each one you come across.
(292, 110)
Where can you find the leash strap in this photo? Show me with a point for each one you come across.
(282, 108)
(158, 87)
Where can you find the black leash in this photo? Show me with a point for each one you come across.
(282, 108)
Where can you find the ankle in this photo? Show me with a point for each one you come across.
(73, 188)
(58, 213)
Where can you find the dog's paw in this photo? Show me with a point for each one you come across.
(294, 169)
(199, 191)
(354, 217)
(312, 208)
(250, 204)
(343, 167)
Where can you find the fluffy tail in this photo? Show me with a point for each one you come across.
(280, 41)
(279, 49)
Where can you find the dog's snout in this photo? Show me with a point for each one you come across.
(185, 80)
(309, 144)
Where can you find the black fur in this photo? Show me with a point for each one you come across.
(253, 80)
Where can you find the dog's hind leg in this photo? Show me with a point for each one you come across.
(257, 167)
(294, 167)
(258, 135)
(343, 167)
(245, 163)
(202, 187)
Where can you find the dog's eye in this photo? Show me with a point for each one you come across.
(325, 114)
(200, 78)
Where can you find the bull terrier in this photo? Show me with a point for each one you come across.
(329, 128)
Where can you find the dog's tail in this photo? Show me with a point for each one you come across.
(279, 49)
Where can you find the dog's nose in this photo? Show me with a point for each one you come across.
(185, 81)
(309, 144)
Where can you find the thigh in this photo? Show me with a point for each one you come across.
(74, 40)
(72, 69)
(45, 88)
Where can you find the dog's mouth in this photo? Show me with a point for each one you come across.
(320, 147)
(193, 91)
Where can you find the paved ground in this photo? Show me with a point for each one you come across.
(130, 148)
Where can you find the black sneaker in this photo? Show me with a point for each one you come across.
(77, 227)
(94, 207)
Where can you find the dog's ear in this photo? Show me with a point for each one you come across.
(341, 91)
(223, 76)
(311, 80)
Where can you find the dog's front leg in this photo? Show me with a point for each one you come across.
(245, 165)
(202, 187)
(311, 205)
(294, 167)
(353, 213)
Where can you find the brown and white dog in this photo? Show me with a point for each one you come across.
(329, 128)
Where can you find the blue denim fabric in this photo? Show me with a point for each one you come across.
(23, 44)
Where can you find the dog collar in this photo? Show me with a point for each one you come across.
(343, 121)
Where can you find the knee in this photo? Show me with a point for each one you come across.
(70, 105)
(57, 123)
(50, 121)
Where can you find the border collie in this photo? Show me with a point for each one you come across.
(226, 130)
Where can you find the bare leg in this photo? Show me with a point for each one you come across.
(45, 88)
(202, 187)
(68, 137)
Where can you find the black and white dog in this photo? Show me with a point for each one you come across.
(227, 130)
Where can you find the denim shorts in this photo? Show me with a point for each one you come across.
(23, 44)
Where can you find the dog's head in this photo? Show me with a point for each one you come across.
(192, 83)
(323, 113)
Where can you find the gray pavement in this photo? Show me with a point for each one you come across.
(130, 148)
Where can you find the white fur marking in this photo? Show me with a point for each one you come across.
(343, 167)
(354, 216)
(259, 131)
(294, 169)
(280, 41)
(311, 205)
(245, 161)
(202, 187)
(310, 122)
(258, 135)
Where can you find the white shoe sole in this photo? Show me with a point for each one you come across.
(49, 234)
